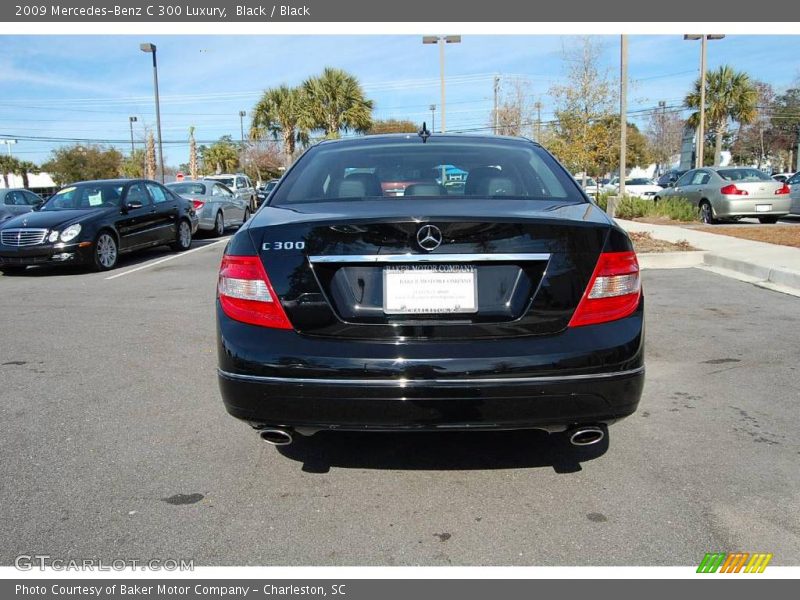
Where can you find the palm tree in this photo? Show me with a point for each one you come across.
(25, 168)
(335, 103)
(8, 165)
(150, 158)
(192, 154)
(730, 95)
(280, 113)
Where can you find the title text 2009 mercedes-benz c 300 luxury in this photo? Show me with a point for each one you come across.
(508, 302)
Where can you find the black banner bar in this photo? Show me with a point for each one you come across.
(416, 11)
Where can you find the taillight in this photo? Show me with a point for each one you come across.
(732, 190)
(246, 295)
(198, 204)
(785, 189)
(613, 291)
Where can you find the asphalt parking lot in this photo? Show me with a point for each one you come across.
(114, 443)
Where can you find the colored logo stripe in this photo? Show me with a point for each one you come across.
(734, 562)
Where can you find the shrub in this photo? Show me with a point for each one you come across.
(676, 209)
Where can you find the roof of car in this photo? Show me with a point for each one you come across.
(414, 138)
(118, 181)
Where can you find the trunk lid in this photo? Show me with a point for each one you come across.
(519, 274)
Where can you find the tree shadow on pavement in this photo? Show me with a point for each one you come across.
(440, 451)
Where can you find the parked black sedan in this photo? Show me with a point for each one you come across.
(509, 302)
(93, 222)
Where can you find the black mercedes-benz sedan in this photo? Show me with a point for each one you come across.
(93, 222)
(509, 301)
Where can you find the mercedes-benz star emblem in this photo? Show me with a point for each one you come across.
(429, 237)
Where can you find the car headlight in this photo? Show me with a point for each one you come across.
(53, 237)
(70, 233)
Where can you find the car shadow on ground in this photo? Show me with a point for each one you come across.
(126, 261)
(440, 451)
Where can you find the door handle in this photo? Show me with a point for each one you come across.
(153, 211)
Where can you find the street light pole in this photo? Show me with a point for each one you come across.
(432, 108)
(151, 48)
(441, 40)
(8, 144)
(242, 115)
(132, 120)
(701, 128)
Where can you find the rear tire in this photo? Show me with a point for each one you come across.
(707, 213)
(184, 239)
(106, 251)
(219, 225)
(768, 220)
(246, 217)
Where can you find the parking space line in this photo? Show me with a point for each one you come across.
(166, 258)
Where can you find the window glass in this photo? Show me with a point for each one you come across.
(794, 178)
(32, 198)
(444, 168)
(10, 198)
(157, 192)
(685, 178)
(136, 193)
(744, 175)
(700, 178)
(188, 188)
(85, 196)
(229, 181)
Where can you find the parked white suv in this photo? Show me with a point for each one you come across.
(241, 185)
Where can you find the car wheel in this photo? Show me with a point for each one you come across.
(656, 199)
(246, 216)
(106, 252)
(219, 225)
(768, 220)
(707, 213)
(184, 239)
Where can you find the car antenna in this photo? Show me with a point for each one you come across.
(424, 133)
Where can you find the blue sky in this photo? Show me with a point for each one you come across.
(86, 87)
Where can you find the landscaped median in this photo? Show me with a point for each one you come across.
(766, 264)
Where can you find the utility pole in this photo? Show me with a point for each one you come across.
(623, 112)
(662, 120)
(441, 40)
(538, 107)
(432, 108)
(132, 120)
(701, 129)
(496, 115)
(242, 115)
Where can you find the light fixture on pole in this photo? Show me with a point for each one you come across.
(700, 141)
(132, 120)
(151, 48)
(8, 144)
(441, 40)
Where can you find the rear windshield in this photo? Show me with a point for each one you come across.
(744, 175)
(224, 180)
(188, 188)
(399, 171)
(638, 182)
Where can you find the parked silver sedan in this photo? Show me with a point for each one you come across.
(794, 183)
(215, 204)
(731, 192)
(16, 201)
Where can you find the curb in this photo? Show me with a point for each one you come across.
(671, 260)
(758, 273)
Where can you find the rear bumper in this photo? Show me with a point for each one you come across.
(731, 207)
(551, 403)
(579, 376)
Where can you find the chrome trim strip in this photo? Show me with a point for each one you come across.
(424, 382)
(427, 258)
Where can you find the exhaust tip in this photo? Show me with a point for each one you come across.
(275, 436)
(586, 435)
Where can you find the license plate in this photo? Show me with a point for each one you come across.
(763, 207)
(430, 289)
